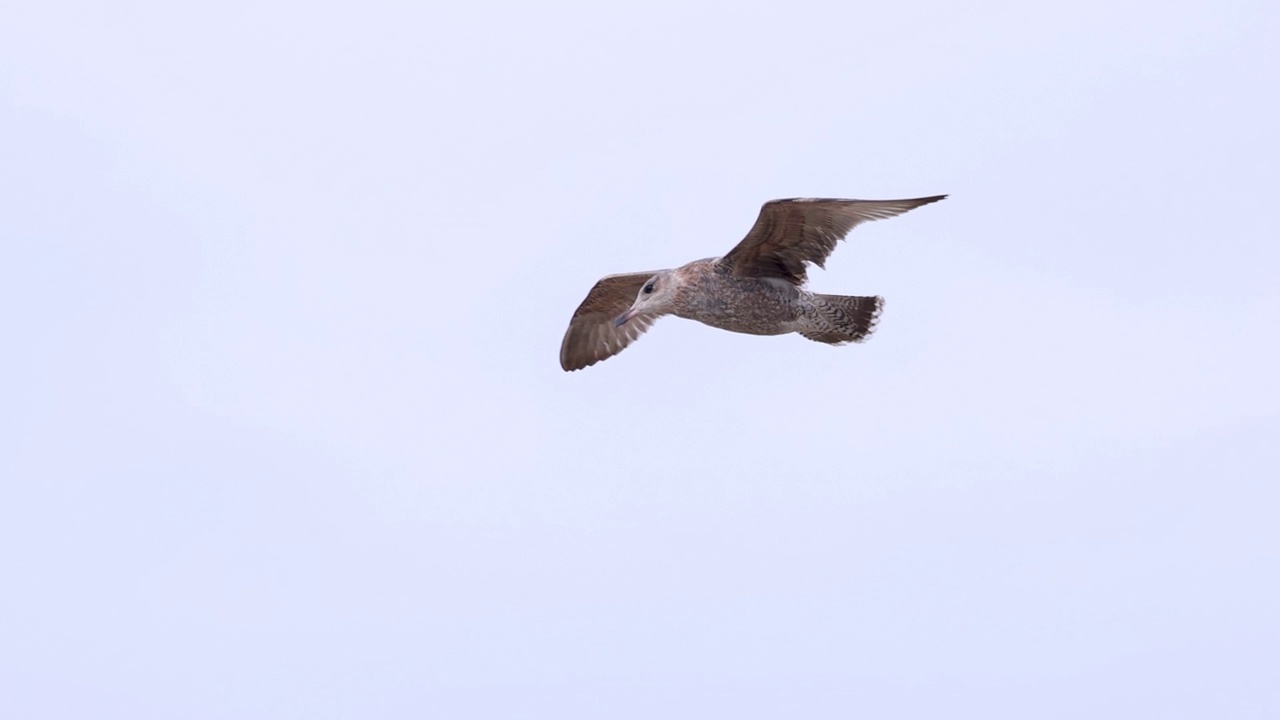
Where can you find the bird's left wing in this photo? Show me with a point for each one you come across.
(592, 335)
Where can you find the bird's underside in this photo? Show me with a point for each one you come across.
(757, 287)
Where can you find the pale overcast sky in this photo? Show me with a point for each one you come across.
(286, 436)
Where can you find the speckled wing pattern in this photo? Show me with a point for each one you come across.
(790, 233)
(591, 336)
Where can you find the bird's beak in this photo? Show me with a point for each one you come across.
(624, 317)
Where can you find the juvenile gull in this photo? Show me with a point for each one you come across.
(757, 288)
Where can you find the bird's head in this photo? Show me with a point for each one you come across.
(655, 297)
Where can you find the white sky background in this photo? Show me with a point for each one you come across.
(285, 434)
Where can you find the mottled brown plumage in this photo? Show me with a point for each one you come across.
(592, 334)
(757, 288)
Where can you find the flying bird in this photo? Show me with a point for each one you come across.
(757, 288)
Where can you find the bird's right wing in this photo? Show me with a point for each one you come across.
(789, 234)
(592, 336)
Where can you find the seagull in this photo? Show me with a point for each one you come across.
(758, 288)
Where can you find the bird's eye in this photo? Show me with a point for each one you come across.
(648, 289)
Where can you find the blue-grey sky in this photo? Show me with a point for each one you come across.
(285, 435)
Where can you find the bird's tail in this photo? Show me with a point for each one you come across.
(843, 318)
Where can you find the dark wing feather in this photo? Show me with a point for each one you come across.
(790, 233)
(591, 336)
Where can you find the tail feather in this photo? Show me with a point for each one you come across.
(843, 318)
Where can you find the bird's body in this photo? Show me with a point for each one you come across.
(757, 288)
(751, 305)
